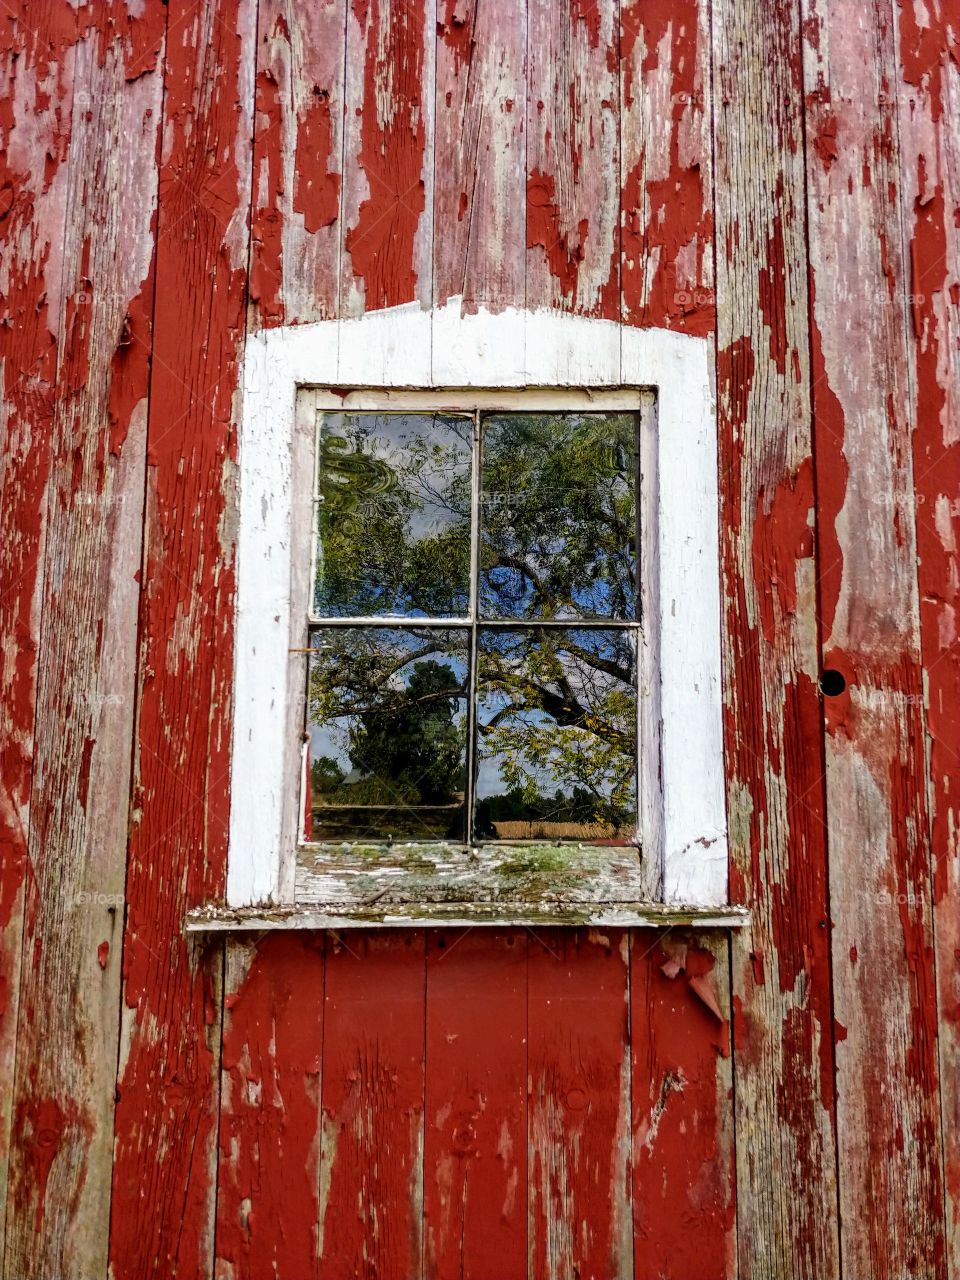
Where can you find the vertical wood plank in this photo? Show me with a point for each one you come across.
(928, 108)
(573, 177)
(269, 1170)
(579, 1111)
(666, 165)
(36, 73)
(683, 1160)
(388, 155)
(480, 229)
(168, 1086)
(60, 1173)
(298, 146)
(371, 1172)
(475, 1151)
(783, 1028)
(888, 1121)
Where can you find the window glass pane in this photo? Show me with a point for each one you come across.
(386, 718)
(558, 526)
(557, 734)
(393, 517)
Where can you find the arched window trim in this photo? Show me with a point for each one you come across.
(447, 351)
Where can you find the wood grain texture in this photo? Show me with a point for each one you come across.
(928, 107)
(298, 146)
(371, 1172)
(885, 1000)
(475, 1148)
(573, 180)
(168, 1087)
(579, 1197)
(783, 1028)
(480, 155)
(36, 71)
(60, 1172)
(388, 155)
(481, 1112)
(666, 165)
(684, 1199)
(269, 1170)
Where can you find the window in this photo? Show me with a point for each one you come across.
(475, 628)
(477, 669)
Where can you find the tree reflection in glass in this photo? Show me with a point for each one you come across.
(393, 519)
(387, 725)
(558, 508)
(554, 522)
(557, 734)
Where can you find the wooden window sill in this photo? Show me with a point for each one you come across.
(340, 887)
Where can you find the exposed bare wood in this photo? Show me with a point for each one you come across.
(387, 208)
(885, 1003)
(573, 180)
(295, 258)
(783, 1028)
(37, 70)
(436, 182)
(666, 165)
(480, 156)
(60, 1172)
(338, 915)
(168, 1083)
(928, 96)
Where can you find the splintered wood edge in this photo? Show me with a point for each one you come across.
(346, 915)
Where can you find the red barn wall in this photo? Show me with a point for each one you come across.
(782, 1102)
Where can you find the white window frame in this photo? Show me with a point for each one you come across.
(405, 356)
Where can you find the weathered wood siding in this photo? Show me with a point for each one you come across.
(783, 1103)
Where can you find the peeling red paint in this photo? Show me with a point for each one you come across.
(167, 1097)
(564, 253)
(376, 1085)
(317, 191)
(667, 222)
(266, 229)
(391, 153)
(682, 1165)
(782, 536)
(832, 473)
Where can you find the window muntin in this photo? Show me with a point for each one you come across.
(523, 725)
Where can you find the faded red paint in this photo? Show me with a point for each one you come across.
(475, 1149)
(269, 1167)
(406, 1058)
(682, 1174)
(372, 1105)
(579, 1116)
(41, 1127)
(929, 39)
